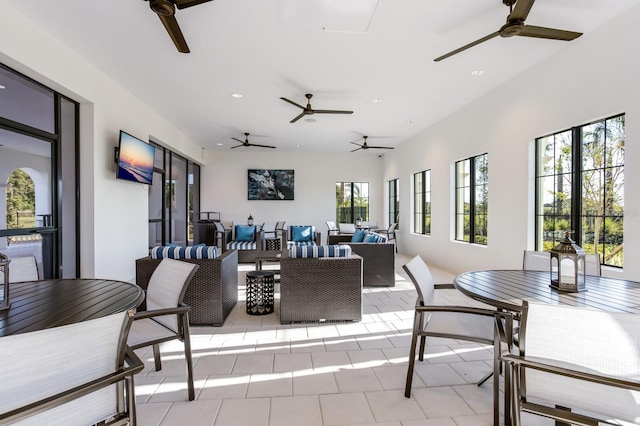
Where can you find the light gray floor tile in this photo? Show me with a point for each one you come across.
(152, 414)
(292, 362)
(393, 406)
(227, 386)
(244, 412)
(192, 413)
(215, 365)
(357, 380)
(441, 402)
(314, 383)
(335, 359)
(395, 377)
(438, 375)
(268, 385)
(253, 364)
(345, 408)
(295, 411)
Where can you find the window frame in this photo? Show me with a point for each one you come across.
(352, 215)
(576, 175)
(394, 201)
(422, 202)
(474, 184)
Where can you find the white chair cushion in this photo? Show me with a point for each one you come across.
(43, 363)
(146, 330)
(595, 341)
(165, 286)
(469, 325)
(22, 269)
(347, 228)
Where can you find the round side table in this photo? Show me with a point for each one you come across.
(260, 292)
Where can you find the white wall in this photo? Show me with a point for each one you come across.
(114, 225)
(224, 185)
(593, 77)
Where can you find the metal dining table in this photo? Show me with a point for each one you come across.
(506, 289)
(36, 305)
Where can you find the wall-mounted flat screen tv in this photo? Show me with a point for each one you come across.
(135, 159)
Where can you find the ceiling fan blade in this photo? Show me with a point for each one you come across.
(302, 114)
(467, 46)
(236, 146)
(183, 4)
(551, 33)
(357, 149)
(171, 25)
(381, 147)
(236, 139)
(331, 111)
(356, 143)
(293, 103)
(261, 146)
(521, 11)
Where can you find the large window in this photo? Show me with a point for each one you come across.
(422, 202)
(352, 201)
(580, 187)
(39, 195)
(394, 201)
(472, 199)
(174, 199)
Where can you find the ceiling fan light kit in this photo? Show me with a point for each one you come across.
(515, 26)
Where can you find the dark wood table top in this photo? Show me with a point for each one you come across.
(36, 305)
(506, 289)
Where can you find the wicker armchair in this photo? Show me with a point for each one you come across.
(320, 289)
(213, 291)
(245, 254)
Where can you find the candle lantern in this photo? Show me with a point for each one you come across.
(250, 220)
(359, 222)
(4, 273)
(569, 277)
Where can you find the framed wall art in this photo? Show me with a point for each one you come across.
(266, 184)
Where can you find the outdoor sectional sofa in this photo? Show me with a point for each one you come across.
(378, 260)
(213, 290)
(318, 289)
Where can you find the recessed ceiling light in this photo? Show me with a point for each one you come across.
(220, 144)
(2, 87)
(409, 122)
(477, 73)
(236, 95)
(377, 101)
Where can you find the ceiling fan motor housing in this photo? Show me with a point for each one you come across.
(163, 7)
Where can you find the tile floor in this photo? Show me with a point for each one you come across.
(256, 371)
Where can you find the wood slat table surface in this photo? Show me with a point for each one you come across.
(36, 305)
(506, 289)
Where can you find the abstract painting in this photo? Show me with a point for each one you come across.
(270, 184)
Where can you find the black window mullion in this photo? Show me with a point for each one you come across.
(472, 200)
(576, 184)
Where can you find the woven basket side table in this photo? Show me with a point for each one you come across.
(260, 297)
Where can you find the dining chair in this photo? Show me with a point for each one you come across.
(536, 260)
(390, 233)
(332, 229)
(455, 322)
(269, 229)
(346, 228)
(576, 365)
(166, 317)
(77, 374)
(22, 268)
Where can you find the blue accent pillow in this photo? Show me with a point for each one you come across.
(302, 233)
(245, 233)
(358, 236)
(370, 238)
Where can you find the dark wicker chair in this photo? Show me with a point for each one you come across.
(320, 289)
(378, 260)
(244, 256)
(213, 291)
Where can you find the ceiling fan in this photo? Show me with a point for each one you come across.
(166, 10)
(365, 146)
(515, 26)
(310, 111)
(247, 143)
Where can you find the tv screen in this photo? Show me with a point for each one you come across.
(135, 159)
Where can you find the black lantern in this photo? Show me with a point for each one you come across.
(4, 272)
(250, 220)
(573, 278)
(358, 222)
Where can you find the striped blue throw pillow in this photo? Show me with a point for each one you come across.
(339, 250)
(184, 252)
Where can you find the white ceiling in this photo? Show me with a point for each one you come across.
(369, 49)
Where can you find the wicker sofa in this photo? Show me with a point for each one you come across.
(212, 292)
(320, 289)
(378, 260)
